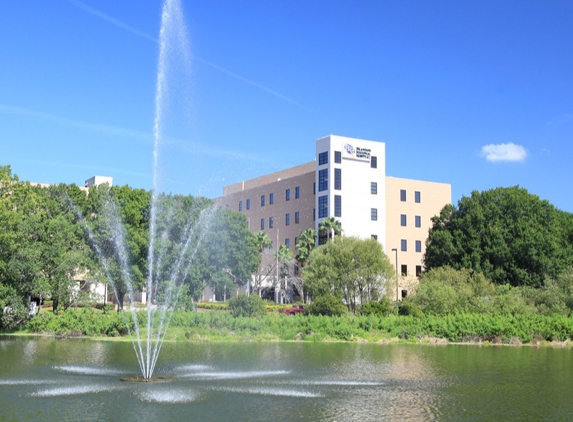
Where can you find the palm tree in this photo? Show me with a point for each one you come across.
(263, 242)
(305, 244)
(331, 226)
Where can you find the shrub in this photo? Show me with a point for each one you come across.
(409, 308)
(326, 305)
(382, 308)
(251, 306)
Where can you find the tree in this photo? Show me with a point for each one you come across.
(228, 254)
(264, 270)
(287, 280)
(330, 226)
(353, 269)
(305, 244)
(507, 234)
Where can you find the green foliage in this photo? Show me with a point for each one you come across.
(409, 308)
(445, 290)
(247, 306)
(509, 235)
(351, 268)
(326, 305)
(382, 308)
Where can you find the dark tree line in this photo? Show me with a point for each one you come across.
(507, 234)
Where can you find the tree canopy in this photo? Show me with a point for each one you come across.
(508, 234)
(353, 269)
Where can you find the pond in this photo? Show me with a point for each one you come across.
(73, 380)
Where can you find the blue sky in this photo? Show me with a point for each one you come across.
(476, 94)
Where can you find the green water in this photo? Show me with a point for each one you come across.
(78, 380)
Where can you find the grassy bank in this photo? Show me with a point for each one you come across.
(222, 326)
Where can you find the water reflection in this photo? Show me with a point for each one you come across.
(259, 382)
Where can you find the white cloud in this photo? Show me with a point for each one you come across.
(503, 152)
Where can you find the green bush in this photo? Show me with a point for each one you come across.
(382, 308)
(247, 306)
(326, 305)
(410, 308)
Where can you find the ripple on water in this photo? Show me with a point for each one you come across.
(87, 370)
(235, 375)
(72, 390)
(270, 392)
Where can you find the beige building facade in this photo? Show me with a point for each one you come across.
(347, 181)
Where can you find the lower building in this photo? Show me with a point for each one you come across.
(346, 181)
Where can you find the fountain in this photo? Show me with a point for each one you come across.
(171, 251)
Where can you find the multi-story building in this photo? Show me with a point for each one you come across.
(346, 181)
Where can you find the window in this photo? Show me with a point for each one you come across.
(248, 204)
(240, 206)
(287, 195)
(287, 242)
(262, 223)
(337, 206)
(418, 221)
(322, 180)
(314, 188)
(374, 236)
(403, 220)
(271, 222)
(404, 245)
(337, 179)
(403, 195)
(262, 200)
(297, 217)
(417, 197)
(297, 192)
(404, 270)
(314, 214)
(374, 188)
(337, 157)
(418, 246)
(323, 158)
(322, 206)
(271, 246)
(418, 270)
(271, 198)
(287, 220)
(373, 162)
(374, 214)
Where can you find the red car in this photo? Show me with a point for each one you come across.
(295, 309)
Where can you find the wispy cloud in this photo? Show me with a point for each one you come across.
(111, 20)
(142, 34)
(503, 152)
(64, 121)
(137, 135)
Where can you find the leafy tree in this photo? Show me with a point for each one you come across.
(382, 308)
(507, 234)
(228, 255)
(350, 268)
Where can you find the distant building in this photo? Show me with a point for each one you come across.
(346, 181)
(99, 180)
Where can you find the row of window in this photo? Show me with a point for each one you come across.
(287, 243)
(404, 245)
(323, 181)
(417, 196)
(271, 199)
(404, 220)
(287, 220)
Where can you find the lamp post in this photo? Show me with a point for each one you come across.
(395, 250)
